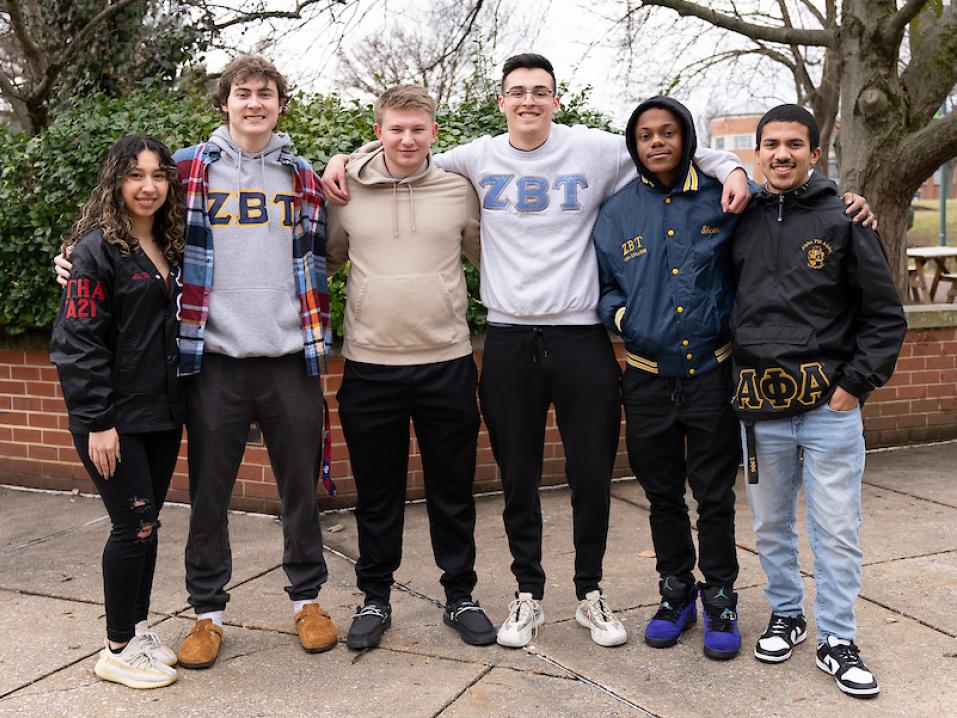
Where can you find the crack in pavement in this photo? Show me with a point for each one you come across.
(56, 534)
(908, 494)
(593, 684)
(484, 672)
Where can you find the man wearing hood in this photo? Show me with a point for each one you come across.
(817, 325)
(663, 245)
(409, 357)
(254, 325)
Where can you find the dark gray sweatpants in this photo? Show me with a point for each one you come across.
(223, 399)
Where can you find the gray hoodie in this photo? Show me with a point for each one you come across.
(253, 308)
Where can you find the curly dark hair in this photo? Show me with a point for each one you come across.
(106, 211)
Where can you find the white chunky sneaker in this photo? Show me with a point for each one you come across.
(133, 667)
(525, 615)
(593, 613)
(153, 644)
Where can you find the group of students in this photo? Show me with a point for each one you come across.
(776, 306)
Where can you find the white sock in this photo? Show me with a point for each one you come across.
(297, 605)
(214, 616)
(141, 628)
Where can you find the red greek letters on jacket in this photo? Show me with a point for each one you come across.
(81, 298)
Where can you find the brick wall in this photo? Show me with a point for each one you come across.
(918, 404)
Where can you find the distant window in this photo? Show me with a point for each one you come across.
(719, 143)
(743, 142)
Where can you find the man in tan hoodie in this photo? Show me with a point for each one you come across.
(408, 357)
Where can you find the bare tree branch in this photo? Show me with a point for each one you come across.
(295, 14)
(31, 50)
(466, 31)
(919, 154)
(897, 23)
(782, 35)
(813, 9)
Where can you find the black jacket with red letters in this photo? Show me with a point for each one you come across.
(114, 341)
(815, 306)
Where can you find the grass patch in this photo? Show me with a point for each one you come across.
(926, 229)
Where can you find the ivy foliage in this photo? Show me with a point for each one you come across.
(44, 180)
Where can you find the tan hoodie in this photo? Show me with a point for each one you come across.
(406, 298)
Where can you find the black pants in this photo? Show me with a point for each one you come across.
(376, 403)
(133, 499)
(685, 430)
(524, 370)
(223, 400)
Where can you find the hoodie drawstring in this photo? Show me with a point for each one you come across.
(395, 208)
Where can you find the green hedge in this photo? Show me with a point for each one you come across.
(44, 180)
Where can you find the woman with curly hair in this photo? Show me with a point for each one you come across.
(114, 345)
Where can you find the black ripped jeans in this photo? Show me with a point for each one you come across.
(133, 499)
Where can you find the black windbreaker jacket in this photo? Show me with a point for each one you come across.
(815, 306)
(114, 341)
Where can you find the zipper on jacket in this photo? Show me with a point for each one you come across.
(781, 207)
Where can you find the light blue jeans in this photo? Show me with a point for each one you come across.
(833, 449)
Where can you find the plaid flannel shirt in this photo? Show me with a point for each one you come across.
(308, 257)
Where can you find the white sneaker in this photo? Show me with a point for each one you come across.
(133, 667)
(525, 615)
(593, 613)
(153, 645)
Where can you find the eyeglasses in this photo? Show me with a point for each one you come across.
(539, 94)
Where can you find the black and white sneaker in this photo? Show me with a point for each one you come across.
(780, 637)
(471, 622)
(368, 624)
(840, 658)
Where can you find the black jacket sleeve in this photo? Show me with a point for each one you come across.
(81, 338)
(879, 325)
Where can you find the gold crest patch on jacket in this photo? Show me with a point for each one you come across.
(816, 251)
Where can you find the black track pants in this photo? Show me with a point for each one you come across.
(524, 370)
(376, 403)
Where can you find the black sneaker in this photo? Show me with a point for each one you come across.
(840, 658)
(368, 624)
(780, 637)
(469, 619)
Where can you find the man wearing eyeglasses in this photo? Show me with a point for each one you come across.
(541, 186)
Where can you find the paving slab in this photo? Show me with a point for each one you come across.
(60, 632)
(29, 516)
(68, 564)
(262, 673)
(908, 659)
(508, 694)
(417, 625)
(925, 588)
(923, 471)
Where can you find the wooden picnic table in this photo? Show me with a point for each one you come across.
(923, 255)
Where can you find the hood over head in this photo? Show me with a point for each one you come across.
(689, 138)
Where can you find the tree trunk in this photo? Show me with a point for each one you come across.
(872, 122)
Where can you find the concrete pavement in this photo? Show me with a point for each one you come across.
(51, 619)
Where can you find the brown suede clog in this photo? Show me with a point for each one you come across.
(201, 646)
(316, 630)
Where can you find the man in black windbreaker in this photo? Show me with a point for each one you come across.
(816, 326)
